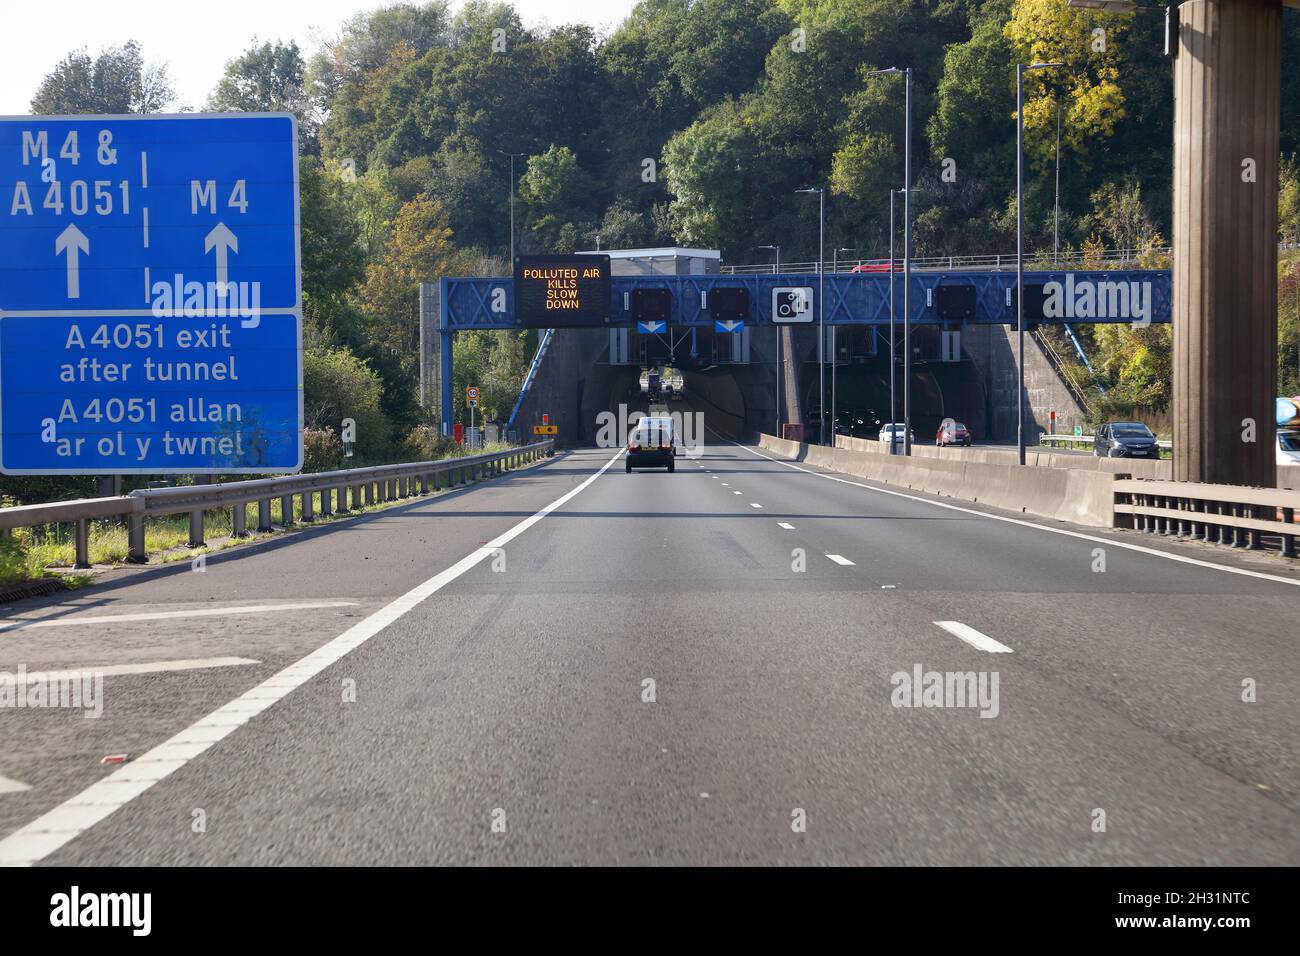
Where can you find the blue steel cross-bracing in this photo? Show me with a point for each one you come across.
(851, 299)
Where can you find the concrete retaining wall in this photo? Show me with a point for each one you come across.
(1067, 494)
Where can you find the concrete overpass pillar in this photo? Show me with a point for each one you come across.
(1227, 90)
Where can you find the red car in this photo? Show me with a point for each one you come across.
(880, 265)
(952, 433)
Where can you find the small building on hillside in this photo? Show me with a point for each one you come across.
(668, 261)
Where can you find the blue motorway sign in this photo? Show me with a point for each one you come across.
(150, 264)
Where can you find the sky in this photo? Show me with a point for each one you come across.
(196, 39)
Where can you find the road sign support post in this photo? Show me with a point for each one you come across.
(445, 341)
(82, 562)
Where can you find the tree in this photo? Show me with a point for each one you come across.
(419, 250)
(268, 78)
(338, 385)
(555, 192)
(368, 40)
(974, 99)
(116, 81)
(330, 236)
(707, 165)
(1087, 87)
(1121, 220)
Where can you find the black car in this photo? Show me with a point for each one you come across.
(1125, 440)
(651, 445)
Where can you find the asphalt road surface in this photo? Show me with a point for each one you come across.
(694, 668)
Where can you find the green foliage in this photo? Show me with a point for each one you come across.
(116, 81)
(1288, 325)
(1288, 202)
(339, 385)
(556, 193)
(331, 232)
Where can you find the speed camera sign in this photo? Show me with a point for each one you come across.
(792, 304)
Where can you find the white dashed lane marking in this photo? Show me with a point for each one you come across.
(782, 524)
(14, 623)
(839, 559)
(114, 670)
(12, 786)
(973, 637)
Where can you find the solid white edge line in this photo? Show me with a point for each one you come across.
(1030, 524)
(50, 831)
(14, 624)
(973, 637)
(117, 670)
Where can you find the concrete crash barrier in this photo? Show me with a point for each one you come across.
(1138, 468)
(1080, 496)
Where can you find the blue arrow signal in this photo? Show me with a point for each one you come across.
(651, 328)
(728, 326)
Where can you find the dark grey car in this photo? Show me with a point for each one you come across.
(1125, 440)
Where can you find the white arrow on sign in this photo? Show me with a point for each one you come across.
(652, 327)
(730, 325)
(74, 242)
(224, 241)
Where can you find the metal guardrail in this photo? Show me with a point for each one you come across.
(379, 483)
(1217, 514)
(1088, 440)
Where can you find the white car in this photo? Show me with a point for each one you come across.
(1288, 446)
(894, 432)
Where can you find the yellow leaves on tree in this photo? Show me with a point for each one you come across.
(419, 250)
(1086, 88)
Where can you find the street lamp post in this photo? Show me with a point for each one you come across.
(512, 201)
(780, 370)
(835, 355)
(907, 256)
(893, 352)
(821, 309)
(1021, 70)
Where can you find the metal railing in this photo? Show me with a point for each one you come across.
(364, 486)
(1217, 514)
(1063, 372)
(1088, 440)
(1112, 258)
